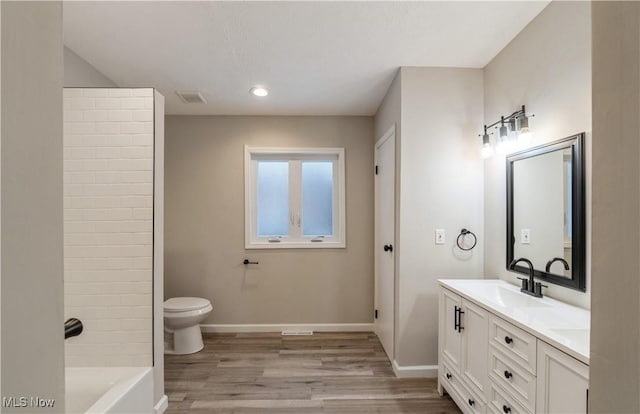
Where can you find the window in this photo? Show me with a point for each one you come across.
(294, 198)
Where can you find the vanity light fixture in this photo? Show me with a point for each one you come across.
(508, 131)
(259, 91)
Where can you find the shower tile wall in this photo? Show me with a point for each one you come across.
(108, 224)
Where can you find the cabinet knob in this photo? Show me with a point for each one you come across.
(449, 376)
(388, 248)
(506, 409)
(471, 402)
(507, 374)
(508, 339)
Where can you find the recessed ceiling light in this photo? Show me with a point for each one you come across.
(260, 91)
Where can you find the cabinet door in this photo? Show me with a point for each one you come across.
(450, 339)
(474, 323)
(562, 382)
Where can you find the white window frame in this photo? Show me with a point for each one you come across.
(295, 239)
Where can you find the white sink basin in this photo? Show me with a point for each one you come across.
(509, 298)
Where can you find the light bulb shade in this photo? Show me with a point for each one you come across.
(486, 140)
(524, 124)
(486, 150)
(504, 132)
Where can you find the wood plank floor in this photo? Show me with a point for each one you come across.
(268, 373)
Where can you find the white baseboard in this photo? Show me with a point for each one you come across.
(162, 405)
(316, 327)
(415, 371)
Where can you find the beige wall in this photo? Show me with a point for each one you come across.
(79, 73)
(547, 67)
(440, 188)
(204, 224)
(435, 111)
(615, 311)
(31, 239)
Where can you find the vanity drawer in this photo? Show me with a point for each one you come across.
(513, 341)
(467, 401)
(515, 379)
(501, 403)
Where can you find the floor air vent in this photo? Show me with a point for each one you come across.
(296, 333)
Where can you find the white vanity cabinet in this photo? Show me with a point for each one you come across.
(464, 335)
(563, 382)
(487, 364)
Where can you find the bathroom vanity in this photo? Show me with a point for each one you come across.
(501, 351)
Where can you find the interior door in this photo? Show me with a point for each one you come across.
(385, 154)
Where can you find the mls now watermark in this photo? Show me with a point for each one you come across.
(27, 402)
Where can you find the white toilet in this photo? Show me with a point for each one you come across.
(182, 317)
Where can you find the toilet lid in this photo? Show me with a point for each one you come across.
(185, 304)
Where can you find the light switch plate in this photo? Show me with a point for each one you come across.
(440, 239)
(525, 236)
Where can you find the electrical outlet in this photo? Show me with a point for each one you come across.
(525, 236)
(440, 236)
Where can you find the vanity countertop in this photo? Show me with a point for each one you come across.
(564, 326)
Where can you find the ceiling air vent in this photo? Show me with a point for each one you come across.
(191, 97)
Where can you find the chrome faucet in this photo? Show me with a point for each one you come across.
(530, 287)
(556, 259)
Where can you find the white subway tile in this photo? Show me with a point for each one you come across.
(107, 152)
(79, 227)
(142, 263)
(105, 177)
(132, 127)
(83, 103)
(81, 153)
(142, 140)
(107, 103)
(79, 128)
(108, 201)
(133, 103)
(82, 202)
(95, 115)
(109, 128)
(131, 165)
(95, 92)
(122, 115)
(144, 115)
(73, 116)
(143, 213)
(137, 201)
(120, 92)
(137, 152)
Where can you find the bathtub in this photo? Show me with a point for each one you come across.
(125, 390)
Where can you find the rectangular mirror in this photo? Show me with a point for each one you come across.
(546, 211)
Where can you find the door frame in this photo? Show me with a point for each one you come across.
(390, 134)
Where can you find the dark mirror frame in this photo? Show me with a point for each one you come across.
(578, 243)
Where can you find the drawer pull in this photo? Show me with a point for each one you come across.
(507, 374)
(449, 376)
(506, 409)
(508, 340)
(471, 402)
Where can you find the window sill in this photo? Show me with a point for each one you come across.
(296, 245)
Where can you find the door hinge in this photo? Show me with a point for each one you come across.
(375, 314)
(376, 170)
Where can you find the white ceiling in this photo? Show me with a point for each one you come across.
(317, 58)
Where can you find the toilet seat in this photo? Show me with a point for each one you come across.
(185, 304)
